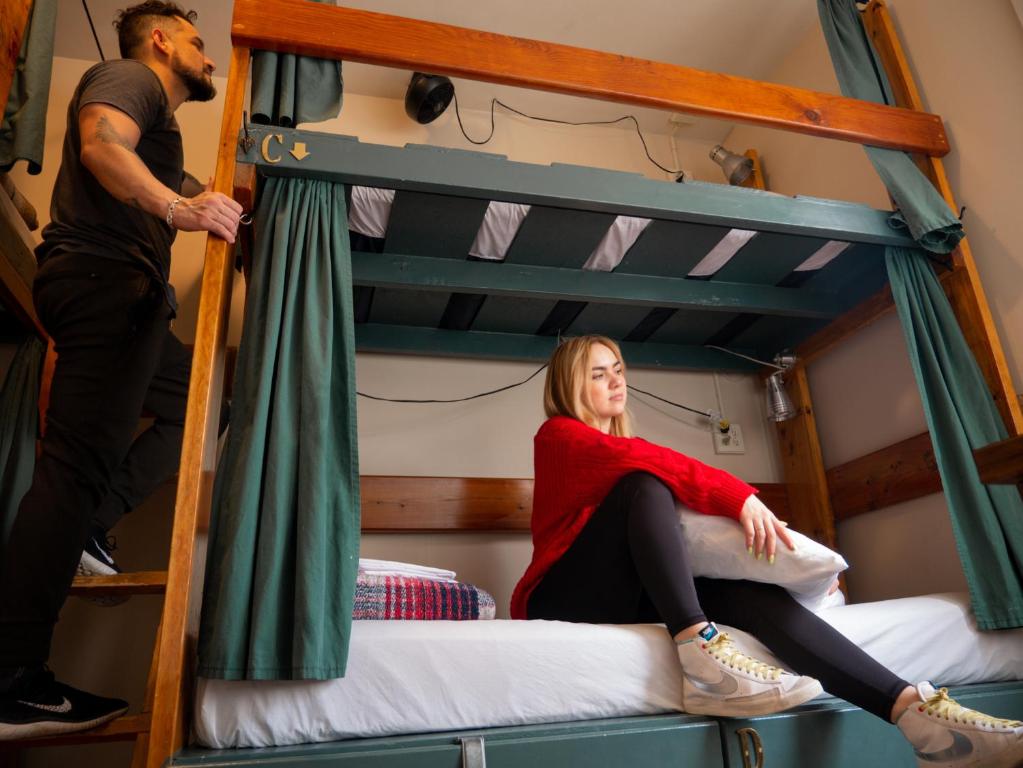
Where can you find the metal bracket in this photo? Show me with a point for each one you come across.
(474, 752)
(753, 746)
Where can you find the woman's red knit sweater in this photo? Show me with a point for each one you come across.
(575, 468)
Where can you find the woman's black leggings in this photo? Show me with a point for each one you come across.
(629, 565)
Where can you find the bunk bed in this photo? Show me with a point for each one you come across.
(420, 294)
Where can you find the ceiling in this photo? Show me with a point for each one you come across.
(716, 35)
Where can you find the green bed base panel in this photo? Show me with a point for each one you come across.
(826, 732)
(834, 733)
(637, 742)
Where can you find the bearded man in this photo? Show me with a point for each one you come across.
(103, 295)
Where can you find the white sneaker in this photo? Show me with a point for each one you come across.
(718, 679)
(946, 734)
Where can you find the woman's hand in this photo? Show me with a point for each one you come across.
(763, 529)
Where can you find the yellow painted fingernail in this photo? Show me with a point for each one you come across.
(759, 555)
(770, 560)
(749, 550)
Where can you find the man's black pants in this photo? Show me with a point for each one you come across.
(116, 357)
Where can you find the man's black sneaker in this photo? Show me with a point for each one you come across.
(96, 558)
(40, 706)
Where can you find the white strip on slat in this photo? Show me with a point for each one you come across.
(721, 253)
(822, 255)
(500, 225)
(619, 238)
(370, 210)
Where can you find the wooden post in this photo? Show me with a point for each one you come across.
(803, 465)
(802, 462)
(195, 480)
(963, 287)
(14, 15)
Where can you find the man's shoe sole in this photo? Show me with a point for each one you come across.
(39, 728)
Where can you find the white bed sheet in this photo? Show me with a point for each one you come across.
(412, 677)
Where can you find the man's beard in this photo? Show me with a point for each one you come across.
(199, 84)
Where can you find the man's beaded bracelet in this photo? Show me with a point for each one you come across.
(170, 211)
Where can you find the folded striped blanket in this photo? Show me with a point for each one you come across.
(417, 598)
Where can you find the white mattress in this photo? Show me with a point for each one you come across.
(411, 677)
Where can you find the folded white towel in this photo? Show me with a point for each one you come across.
(392, 568)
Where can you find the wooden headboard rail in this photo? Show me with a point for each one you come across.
(471, 504)
(347, 34)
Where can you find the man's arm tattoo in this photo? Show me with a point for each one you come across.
(106, 133)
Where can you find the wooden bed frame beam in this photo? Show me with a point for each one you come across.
(14, 15)
(389, 270)
(374, 38)
(962, 284)
(179, 626)
(470, 504)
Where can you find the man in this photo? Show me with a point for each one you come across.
(103, 295)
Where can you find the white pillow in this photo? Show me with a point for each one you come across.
(717, 548)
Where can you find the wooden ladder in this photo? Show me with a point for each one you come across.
(129, 727)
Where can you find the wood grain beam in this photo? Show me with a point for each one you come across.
(803, 464)
(195, 479)
(470, 504)
(901, 472)
(14, 15)
(1002, 462)
(374, 38)
(965, 292)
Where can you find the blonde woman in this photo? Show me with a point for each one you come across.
(607, 548)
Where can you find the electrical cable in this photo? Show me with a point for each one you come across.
(747, 357)
(456, 399)
(497, 102)
(708, 414)
(92, 26)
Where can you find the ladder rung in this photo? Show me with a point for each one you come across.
(124, 728)
(135, 583)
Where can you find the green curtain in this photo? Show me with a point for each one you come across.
(23, 130)
(19, 417)
(931, 222)
(987, 519)
(961, 414)
(288, 89)
(284, 535)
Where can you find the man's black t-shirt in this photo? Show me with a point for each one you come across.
(85, 218)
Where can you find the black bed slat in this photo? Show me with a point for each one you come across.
(670, 248)
(558, 237)
(433, 225)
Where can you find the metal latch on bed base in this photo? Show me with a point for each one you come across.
(474, 752)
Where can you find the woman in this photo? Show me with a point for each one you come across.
(608, 548)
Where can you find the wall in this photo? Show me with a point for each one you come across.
(487, 437)
(968, 62)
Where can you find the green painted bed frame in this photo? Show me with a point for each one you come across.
(442, 197)
(826, 733)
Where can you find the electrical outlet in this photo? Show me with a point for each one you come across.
(730, 441)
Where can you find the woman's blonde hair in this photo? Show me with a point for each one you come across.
(565, 392)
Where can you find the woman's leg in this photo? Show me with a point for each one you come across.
(629, 564)
(802, 640)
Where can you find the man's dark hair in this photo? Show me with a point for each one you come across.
(134, 24)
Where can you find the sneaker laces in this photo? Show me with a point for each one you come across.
(943, 705)
(722, 648)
